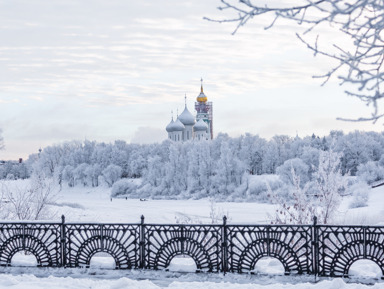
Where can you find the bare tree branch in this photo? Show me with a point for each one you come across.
(362, 21)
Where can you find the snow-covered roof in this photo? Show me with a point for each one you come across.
(200, 126)
(186, 117)
(178, 126)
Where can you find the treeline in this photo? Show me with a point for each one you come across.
(199, 169)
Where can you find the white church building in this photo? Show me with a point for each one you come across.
(189, 127)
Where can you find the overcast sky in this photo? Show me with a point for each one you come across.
(114, 69)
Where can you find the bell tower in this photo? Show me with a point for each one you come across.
(204, 111)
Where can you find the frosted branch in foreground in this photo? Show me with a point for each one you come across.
(362, 21)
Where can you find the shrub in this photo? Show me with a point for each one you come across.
(360, 193)
(125, 187)
(370, 172)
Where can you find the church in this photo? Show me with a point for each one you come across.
(189, 127)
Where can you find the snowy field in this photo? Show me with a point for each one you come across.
(84, 204)
(94, 205)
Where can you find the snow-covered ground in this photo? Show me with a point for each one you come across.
(80, 278)
(94, 205)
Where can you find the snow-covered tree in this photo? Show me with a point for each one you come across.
(301, 171)
(228, 171)
(252, 151)
(300, 209)
(92, 173)
(80, 174)
(357, 148)
(112, 174)
(176, 170)
(310, 156)
(154, 173)
(200, 168)
(320, 197)
(370, 172)
(329, 185)
(31, 202)
(68, 176)
(360, 194)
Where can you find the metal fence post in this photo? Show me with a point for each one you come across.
(224, 246)
(315, 247)
(23, 234)
(142, 243)
(62, 242)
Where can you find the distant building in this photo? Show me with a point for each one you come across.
(188, 127)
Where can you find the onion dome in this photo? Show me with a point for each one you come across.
(200, 126)
(202, 97)
(170, 126)
(178, 126)
(186, 117)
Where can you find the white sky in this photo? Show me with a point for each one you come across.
(106, 70)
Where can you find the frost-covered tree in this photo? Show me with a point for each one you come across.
(358, 22)
(252, 150)
(112, 174)
(80, 174)
(360, 194)
(357, 148)
(329, 184)
(68, 175)
(176, 171)
(15, 169)
(137, 163)
(154, 173)
(31, 202)
(370, 172)
(228, 171)
(92, 173)
(200, 168)
(300, 209)
(301, 171)
(320, 197)
(310, 156)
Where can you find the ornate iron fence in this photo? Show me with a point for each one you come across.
(321, 250)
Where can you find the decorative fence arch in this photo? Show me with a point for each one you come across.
(28, 243)
(40, 239)
(340, 246)
(321, 250)
(269, 248)
(200, 242)
(183, 246)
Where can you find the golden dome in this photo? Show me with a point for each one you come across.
(202, 97)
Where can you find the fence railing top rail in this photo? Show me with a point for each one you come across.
(142, 222)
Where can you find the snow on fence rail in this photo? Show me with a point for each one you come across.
(323, 250)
